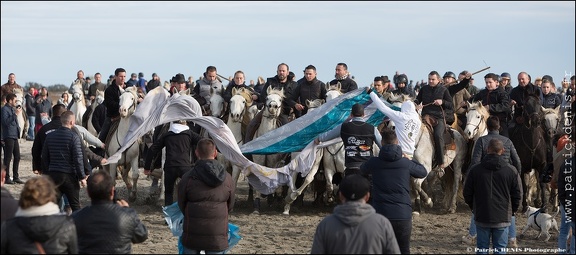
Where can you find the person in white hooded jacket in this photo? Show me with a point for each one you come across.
(407, 122)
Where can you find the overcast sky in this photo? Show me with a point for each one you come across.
(48, 42)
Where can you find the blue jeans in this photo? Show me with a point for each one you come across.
(563, 236)
(192, 251)
(511, 229)
(499, 238)
(31, 121)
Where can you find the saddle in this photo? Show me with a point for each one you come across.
(113, 127)
(448, 135)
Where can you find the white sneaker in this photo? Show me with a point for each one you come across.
(469, 240)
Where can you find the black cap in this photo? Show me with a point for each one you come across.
(154, 75)
(354, 187)
(140, 74)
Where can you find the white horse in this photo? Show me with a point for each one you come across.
(97, 101)
(476, 116)
(21, 118)
(217, 103)
(551, 121)
(453, 157)
(79, 106)
(129, 159)
(270, 121)
(311, 105)
(238, 118)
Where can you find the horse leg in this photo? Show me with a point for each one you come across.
(124, 174)
(135, 176)
(525, 180)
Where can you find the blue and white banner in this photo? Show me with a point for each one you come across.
(158, 107)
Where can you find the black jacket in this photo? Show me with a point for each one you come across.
(107, 228)
(517, 94)
(498, 100)
(493, 191)
(205, 197)
(112, 101)
(391, 181)
(30, 109)
(308, 90)
(62, 152)
(9, 205)
(178, 148)
(510, 154)
(98, 117)
(56, 233)
(347, 84)
(39, 142)
(428, 94)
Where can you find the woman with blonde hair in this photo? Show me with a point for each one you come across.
(38, 226)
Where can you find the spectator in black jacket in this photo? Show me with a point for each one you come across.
(38, 226)
(105, 226)
(57, 110)
(180, 142)
(493, 193)
(496, 100)
(63, 159)
(9, 204)
(391, 172)
(509, 155)
(206, 197)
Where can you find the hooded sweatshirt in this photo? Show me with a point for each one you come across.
(205, 197)
(407, 122)
(355, 228)
(391, 182)
(492, 190)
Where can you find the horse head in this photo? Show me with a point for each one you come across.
(216, 103)
(99, 97)
(333, 91)
(532, 112)
(274, 102)
(551, 120)
(19, 92)
(128, 102)
(240, 101)
(477, 116)
(77, 92)
(313, 104)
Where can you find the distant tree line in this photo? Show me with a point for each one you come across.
(53, 88)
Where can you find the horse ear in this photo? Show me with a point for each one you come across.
(543, 108)
(339, 85)
(234, 91)
(557, 109)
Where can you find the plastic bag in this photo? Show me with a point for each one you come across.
(175, 220)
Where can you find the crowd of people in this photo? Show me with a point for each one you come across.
(375, 211)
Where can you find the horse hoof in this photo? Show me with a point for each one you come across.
(415, 214)
(286, 213)
(429, 203)
(451, 210)
(256, 212)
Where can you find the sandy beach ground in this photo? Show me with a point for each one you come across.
(273, 233)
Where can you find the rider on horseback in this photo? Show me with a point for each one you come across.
(112, 102)
(436, 102)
